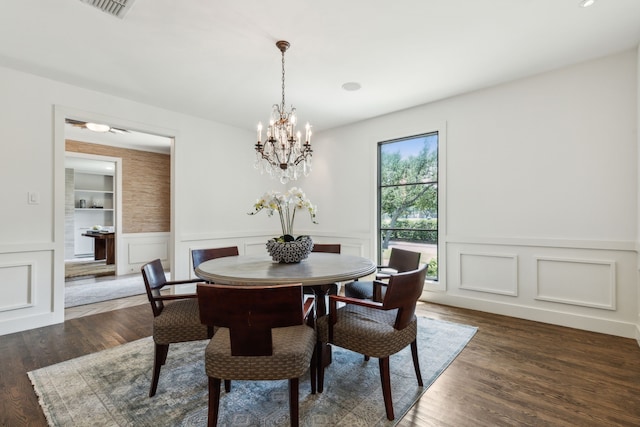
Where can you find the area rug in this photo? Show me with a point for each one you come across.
(88, 268)
(89, 292)
(110, 388)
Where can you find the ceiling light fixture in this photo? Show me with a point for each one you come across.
(351, 86)
(98, 127)
(587, 3)
(283, 154)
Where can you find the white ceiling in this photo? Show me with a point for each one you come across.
(218, 60)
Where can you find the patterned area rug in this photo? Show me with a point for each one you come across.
(110, 388)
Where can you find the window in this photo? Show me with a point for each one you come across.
(408, 198)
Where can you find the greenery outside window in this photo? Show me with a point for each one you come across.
(408, 198)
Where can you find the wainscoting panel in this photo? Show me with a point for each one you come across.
(490, 273)
(142, 248)
(255, 247)
(17, 286)
(559, 279)
(27, 289)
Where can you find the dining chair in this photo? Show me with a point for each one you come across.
(400, 261)
(201, 255)
(377, 329)
(263, 333)
(321, 291)
(175, 317)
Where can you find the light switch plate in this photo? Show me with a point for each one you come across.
(33, 198)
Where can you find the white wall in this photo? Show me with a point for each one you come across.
(541, 193)
(638, 201)
(539, 182)
(208, 185)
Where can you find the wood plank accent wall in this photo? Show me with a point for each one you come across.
(146, 186)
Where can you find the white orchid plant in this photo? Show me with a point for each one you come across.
(286, 204)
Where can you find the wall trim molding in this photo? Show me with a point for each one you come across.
(611, 285)
(537, 314)
(613, 245)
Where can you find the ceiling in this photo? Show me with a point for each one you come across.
(217, 59)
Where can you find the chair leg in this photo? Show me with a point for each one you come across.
(366, 358)
(416, 363)
(320, 366)
(227, 386)
(160, 358)
(214, 402)
(293, 402)
(313, 370)
(386, 386)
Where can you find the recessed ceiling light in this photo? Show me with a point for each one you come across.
(351, 86)
(98, 127)
(587, 3)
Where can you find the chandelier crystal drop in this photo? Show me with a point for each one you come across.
(283, 153)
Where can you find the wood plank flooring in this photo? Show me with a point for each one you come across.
(513, 372)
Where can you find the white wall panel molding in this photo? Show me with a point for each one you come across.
(27, 247)
(140, 248)
(17, 285)
(27, 291)
(488, 272)
(613, 245)
(582, 321)
(583, 282)
(247, 234)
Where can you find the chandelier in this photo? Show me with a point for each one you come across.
(283, 154)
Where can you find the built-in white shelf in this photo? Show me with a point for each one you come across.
(93, 205)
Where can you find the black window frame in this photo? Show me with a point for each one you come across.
(381, 187)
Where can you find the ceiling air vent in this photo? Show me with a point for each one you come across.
(117, 8)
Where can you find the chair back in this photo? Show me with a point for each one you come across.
(201, 255)
(332, 248)
(403, 292)
(403, 260)
(250, 312)
(154, 280)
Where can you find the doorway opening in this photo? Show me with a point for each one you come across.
(91, 206)
(112, 211)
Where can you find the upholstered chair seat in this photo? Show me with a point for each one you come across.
(368, 331)
(292, 351)
(179, 322)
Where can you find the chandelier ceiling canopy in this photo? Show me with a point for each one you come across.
(283, 154)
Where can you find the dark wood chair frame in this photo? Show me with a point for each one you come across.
(321, 291)
(400, 260)
(403, 291)
(199, 256)
(250, 313)
(154, 281)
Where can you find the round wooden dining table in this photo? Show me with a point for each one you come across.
(318, 269)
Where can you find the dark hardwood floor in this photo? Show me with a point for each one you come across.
(513, 372)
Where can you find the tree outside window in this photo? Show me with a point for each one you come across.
(408, 198)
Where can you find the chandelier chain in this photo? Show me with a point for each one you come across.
(283, 103)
